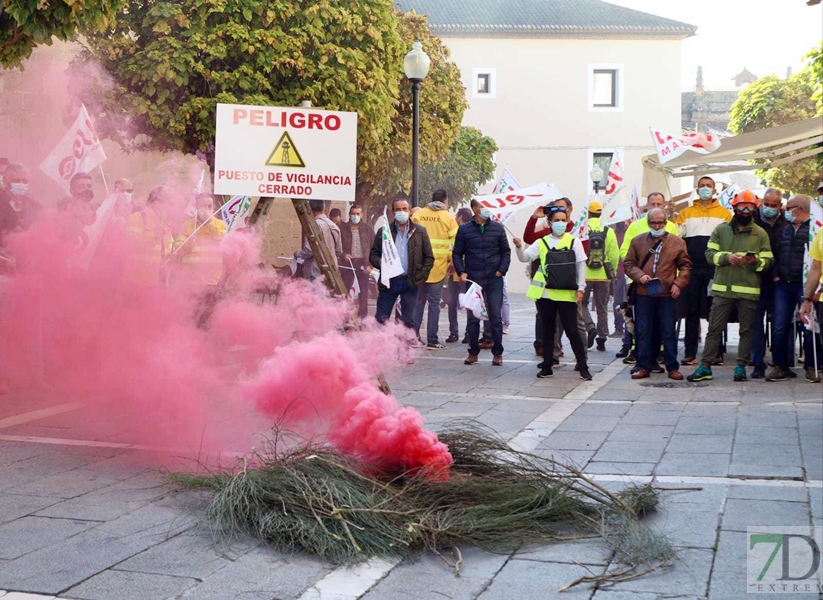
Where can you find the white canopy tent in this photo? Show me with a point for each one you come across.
(762, 149)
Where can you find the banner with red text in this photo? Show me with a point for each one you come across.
(617, 205)
(506, 203)
(670, 147)
(79, 151)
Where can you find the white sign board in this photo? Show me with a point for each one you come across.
(279, 152)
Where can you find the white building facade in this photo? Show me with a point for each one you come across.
(563, 85)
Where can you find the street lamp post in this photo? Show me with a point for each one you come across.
(416, 65)
(597, 175)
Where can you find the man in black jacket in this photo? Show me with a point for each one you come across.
(17, 210)
(356, 237)
(770, 218)
(417, 258)
(482, 255)
(788, 256)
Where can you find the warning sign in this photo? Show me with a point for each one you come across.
(285, 152)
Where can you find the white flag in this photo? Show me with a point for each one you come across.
(507, 183)
(581, 225)
(236, 213)
(725, 198)
(473, 300)
(617, 205)
(504, 204)
(79, 151)
(94, 233)
(354, 291)
(815, 224)
(390, 265)
(636, 212)
(670, 147)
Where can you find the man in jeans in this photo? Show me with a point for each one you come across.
(454, 288)
(416, 257)
(789, 254)
(600, 270)
(482, 254)
(442, 229)
(658, 262)
(357, 237)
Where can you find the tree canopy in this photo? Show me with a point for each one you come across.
(771, 101)
(168, 63)
(25, 24)
(468, 164)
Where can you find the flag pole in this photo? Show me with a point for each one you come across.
(103, 175)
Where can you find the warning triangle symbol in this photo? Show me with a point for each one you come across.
(285, 153)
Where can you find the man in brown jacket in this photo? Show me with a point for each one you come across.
(660, 266)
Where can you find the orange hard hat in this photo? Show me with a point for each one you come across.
(746, 197)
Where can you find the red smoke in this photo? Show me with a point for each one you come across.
(146, 374)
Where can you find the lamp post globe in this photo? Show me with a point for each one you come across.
(597, 176)
(416, 65)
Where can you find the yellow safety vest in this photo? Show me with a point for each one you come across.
(537, 289)
(200, 257)
(442, 229)
(149, 249)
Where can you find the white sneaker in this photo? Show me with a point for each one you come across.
(505, 330)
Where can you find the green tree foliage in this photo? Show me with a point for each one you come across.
(468, 164)
(25, 24)
(771, 101)
(815, 58)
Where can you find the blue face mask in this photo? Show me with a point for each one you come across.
(705, 193)
(768, 212)
(558, 227)
(789, 216)
(355, 219)
(401, 217)
(656, 233)
(485, 214)
(19, 189)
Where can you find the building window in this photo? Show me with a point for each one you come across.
(605, 88)
(601, 157)
(484, 83)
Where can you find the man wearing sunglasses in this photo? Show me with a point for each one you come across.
(740, 251)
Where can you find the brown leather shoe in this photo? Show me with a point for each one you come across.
(471, 360)
(676, 375)
(640, 374)
(497, 361)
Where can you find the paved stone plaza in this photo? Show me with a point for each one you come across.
(78, 521)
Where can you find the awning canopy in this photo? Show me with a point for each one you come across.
(761, 149)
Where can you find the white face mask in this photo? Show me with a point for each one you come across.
(203, 215)
(19, 189)
(128, 195)
(355, 219)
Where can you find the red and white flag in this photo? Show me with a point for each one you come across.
(670, 147)
(636, 212)
(617, 205)
(504, 204)
(79, 151)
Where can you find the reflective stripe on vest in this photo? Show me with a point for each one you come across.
(537, 289)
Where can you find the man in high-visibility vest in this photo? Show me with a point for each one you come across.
(152, 240)
(442, 229)
(601, 267)
(198, 245)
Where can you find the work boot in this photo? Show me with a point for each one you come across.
(624, 352)
(740, 373)
(453, 338)
(777, 374)
(601, 344)
(812, 375)
(701, 373)
(471, 360)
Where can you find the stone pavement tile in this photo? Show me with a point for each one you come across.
(610, 393)
(686, 525)
(23, 596)
(816, 501)
(574, 440)
(588, 423)
(688, 576)
(602, 409)
(650, 417)
(460, 409)
(183, 556)
(533, 579)
(700, 444)
(693, 465)
(151, 520)
(607, 594)
(25, 471)
(577, 458)
(262, 574)
(428, 577)
(760, 454)
(709, 495)
(705, 426)
(742, 513)
(794, 493)
(131, 586)
(506, 425)
(584, 552)
(69, 484)
(813, 463)
(718, 409)
(767, 436)
(619, 468)
(630, 432)
(630, 452)
(766, 418)
(13, 506)
(32, 533)
(522, 407)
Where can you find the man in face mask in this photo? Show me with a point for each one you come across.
(482, 255)
(768, 217)
(17, 210)
(356, 237)
(125, 187)
(741, 252)
(697, 222)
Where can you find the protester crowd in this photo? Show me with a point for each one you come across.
(664, 275)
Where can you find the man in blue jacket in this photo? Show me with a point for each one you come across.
(482, 255)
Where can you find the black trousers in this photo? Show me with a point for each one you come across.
(695, 297)
(567, 311)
